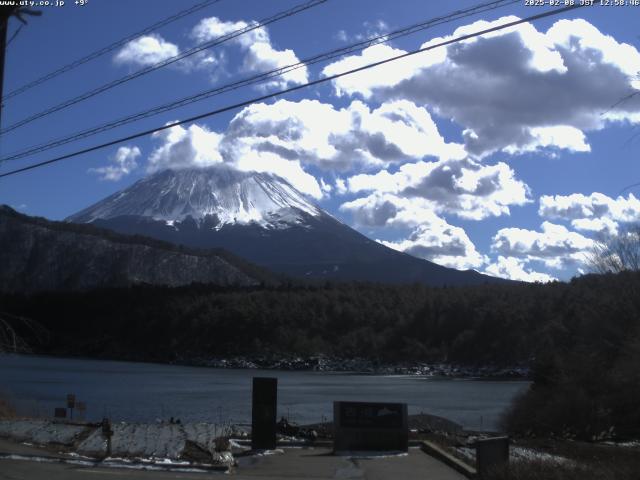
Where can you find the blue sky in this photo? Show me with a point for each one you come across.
(504, 154)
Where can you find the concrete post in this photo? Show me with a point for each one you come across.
(491, 454)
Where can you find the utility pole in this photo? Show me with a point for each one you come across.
(5, 13)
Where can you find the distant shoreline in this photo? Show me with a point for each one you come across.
(326, 364)
(365, 366)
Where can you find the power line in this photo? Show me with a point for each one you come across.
(628, 187)
(14, 35)
(108, 48)
(151, 68)
(263, 77)
(294, 88)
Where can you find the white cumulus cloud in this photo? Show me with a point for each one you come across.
(514, 269)
(370, 30)
(199, 147)
(366, 82)
(389, 210)
(596, 212)
(604, 226)
(558, 137)
(431, 238)
(146, 50)
(123, 163)
(343, 139)
(555, 245)
(262, 57)
(441, 243)
(195, 146)
(517, 90)
(259, 53)
(463, 187)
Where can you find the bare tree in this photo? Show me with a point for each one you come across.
(616, 253)
(12, 329)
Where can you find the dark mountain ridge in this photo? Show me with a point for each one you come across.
(38, 254)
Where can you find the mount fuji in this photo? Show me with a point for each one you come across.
(263, 218)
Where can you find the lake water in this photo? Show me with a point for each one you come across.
(146, 392)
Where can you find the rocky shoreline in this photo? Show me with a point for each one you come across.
(329, 364)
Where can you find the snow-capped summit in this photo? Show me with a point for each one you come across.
(228, 196)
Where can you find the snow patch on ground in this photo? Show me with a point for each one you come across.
(113, 463)
(632, 444)
(517, 454)
(202, 434)
(265, 453)
(40, 431)
(140, 440)
(157, 441)
(521, 453)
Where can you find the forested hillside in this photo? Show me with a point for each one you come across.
(501, 324)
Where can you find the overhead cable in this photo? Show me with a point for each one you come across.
(109, 48)
(548, 13)
(260, 78)
(169, 61)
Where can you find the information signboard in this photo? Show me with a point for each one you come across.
(361, 426)
(60, 413)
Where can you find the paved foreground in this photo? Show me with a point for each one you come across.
(291, 464)
(317, 463)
